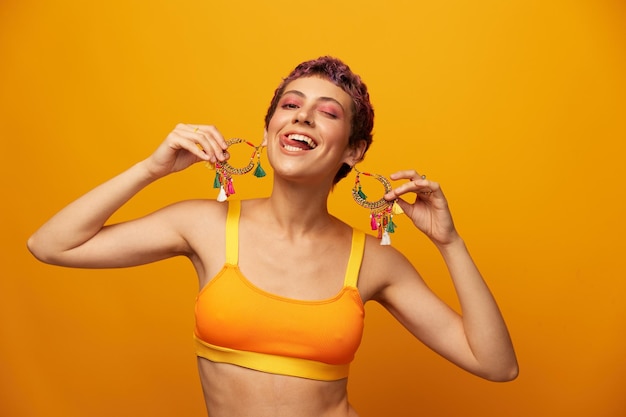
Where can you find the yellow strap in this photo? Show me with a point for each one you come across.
(232, 232)
(356, 256)
(273, 364)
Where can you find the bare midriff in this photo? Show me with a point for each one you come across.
(231, 390)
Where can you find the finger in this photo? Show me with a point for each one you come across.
(211, 146)
(185, 127)
(420, 187)
(198, 140)
(424, 194)
(212, 132)
(201, 142)
(219, 143)
(180, 141)
(430, 191)
(407, 174)
(210, 140)
(417, 184)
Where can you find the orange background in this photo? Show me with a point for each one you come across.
(517, 108)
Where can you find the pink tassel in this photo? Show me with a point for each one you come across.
(230, 190)
(373, 222)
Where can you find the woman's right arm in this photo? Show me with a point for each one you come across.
(77, 236)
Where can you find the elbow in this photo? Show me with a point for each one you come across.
(38, 250)
(503, 374)
(33, 248)
(506, 376)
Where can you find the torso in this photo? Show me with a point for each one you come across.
(268, 260)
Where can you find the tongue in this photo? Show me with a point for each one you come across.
(298, 144)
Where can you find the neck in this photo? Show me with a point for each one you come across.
(299, 208)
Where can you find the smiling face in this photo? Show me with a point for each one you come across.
(338, 73)
(309, 131)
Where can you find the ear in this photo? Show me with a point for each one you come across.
(355, 153)
(264, 143)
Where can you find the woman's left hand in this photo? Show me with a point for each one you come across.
(429, 212)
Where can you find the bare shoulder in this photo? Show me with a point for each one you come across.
(202, 224)
(382, 266)
(199, 205)
(195, 217)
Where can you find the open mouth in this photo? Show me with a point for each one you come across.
(296, 142)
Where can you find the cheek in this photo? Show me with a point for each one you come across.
(269, 152)
(275, 122)
(342, 133)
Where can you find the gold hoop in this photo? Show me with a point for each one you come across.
(224, 171)
(361, 198)
(244, 170)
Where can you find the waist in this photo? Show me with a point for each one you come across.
(232, 390)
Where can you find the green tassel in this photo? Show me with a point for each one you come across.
(361, 194)
(259, 171)
(216, 181)
(391, 227)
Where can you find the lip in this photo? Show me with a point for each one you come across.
(284, 139)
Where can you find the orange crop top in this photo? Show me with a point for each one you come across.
(241, 324)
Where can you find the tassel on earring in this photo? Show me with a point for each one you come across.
(217, 183)
(259, 172)
(224, 171)
(381, 211)
(221, 196)
(230, 189)
(373, 222)
(385, 239)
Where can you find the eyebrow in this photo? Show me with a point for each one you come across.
(301, 94)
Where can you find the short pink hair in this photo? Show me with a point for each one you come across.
(335, 71)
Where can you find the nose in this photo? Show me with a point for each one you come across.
(303, 116)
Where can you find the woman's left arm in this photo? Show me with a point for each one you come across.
(478, 338)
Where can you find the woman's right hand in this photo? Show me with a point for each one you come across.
(186, 145)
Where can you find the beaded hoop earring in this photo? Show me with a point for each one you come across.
(224, 171)
(381, 211)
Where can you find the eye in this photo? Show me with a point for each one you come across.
(329, 111)
(289, 103)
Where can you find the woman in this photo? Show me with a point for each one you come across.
(280, 313)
